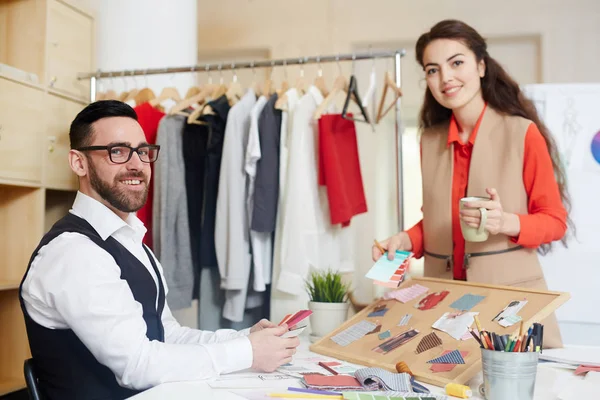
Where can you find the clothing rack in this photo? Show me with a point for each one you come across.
(396, 55)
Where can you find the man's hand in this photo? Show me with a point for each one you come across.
(269, 350)
(262, 324)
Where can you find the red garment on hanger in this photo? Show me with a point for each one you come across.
(339, 168)
(148, 117)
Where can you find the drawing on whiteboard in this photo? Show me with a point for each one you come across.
(571, 129)
(595, 147)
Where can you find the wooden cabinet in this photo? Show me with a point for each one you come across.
(44, 44)
(61, 112)
(21, 219)
(70, 35)
(22, 39)
(20, 131)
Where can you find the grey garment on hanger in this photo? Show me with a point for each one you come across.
(211, 300)
(171, 233)
(266, 187)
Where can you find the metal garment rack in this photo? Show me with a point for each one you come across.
(396, 55)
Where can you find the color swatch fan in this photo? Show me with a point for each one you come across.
(390, 273)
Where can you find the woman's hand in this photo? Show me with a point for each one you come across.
(498, 221)
(400, 241)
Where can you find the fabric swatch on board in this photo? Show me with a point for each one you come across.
(466, 302)
(406, 294)
(404, 320)
(446, 367)
(431, 300)
(379, 313)
(376, 330)
(386, 380)
(429, 342)
(385, 335)
(353, 333)
(395, 341)
(454, 357)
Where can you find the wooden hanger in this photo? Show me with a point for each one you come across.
(388, 83)
(192, 91)
(319, 82)
(144, 96)
(301, 83)
(281, 103)
(340, 85)
(197, 99)
(166, 94)
(111, 95)
(131, 95)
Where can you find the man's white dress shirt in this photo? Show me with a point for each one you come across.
(74, 284)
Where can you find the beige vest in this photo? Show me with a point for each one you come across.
(496, 162)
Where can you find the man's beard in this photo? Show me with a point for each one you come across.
(117, 197)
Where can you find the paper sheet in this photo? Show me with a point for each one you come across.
(511, 309)
(455, 326)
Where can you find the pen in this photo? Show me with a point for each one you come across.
(313, 391)
(327, 367)
(488, 340)
(508, 344)
(305, 396)
(475, 336)
(381, 249)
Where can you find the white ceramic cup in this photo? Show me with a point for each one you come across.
(471, 234)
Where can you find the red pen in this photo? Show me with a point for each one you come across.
(327, 367)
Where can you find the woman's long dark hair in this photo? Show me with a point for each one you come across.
(499, 90)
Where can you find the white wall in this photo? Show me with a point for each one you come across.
(571, 114)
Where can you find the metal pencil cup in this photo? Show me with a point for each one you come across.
(508, 376)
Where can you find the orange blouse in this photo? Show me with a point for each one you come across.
(546, 220)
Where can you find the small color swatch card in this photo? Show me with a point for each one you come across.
(292, 319)
(384, 269)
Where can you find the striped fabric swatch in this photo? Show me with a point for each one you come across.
(386, 380)
(404, 320)
(429, 342)
(454, 357)
(353, 333)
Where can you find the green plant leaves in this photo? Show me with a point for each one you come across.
(326, 287)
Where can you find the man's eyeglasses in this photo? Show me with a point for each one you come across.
(120, 153)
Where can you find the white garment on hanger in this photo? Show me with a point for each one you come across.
(232, 238)
(261, 242)
(286, 126)
(309, 241)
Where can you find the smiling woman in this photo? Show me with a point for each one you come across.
(482, 138)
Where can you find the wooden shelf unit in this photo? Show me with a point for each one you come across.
(43, 45)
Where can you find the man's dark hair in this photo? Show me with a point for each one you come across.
(81, 132)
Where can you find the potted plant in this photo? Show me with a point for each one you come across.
(328, 302)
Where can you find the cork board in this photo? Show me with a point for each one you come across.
(540, 304)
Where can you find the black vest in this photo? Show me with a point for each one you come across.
(65, 367)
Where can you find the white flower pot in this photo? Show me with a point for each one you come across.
(326, 317)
